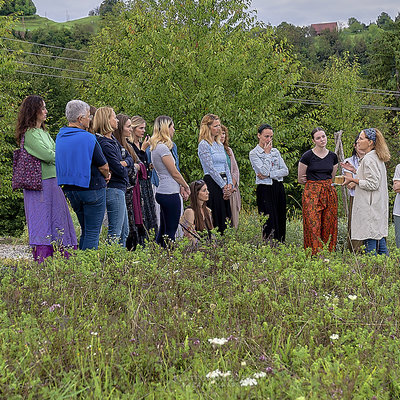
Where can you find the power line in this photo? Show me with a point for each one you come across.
(47, 55)
(44, 45)
(53, 76)
(47, 66)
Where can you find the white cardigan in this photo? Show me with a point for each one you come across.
(371, 200)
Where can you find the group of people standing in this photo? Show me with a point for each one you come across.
(102, 161)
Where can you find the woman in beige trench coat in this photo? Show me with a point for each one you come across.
(371, 201)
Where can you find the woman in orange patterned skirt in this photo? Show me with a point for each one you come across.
(316, 169)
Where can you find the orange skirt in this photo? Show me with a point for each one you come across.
(320, 206)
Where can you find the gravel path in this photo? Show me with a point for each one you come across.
(15, 251)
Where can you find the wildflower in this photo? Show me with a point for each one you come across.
(196, 342)
(217, 373)
(132, 340)
(258, 375)
(94, 333)
(219, 341)
(53, 307)
(352, 296)
(212, 306)
(235, 266)
(269, 370)
(243, 363)
(327, 260)
(248, 382)
(232, 338)
(44, 303)
(262, 357)
(335, 336)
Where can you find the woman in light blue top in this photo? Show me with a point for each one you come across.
(270, 170)
(217, 173)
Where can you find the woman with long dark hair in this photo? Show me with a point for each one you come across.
(197, 219)
(49, 221)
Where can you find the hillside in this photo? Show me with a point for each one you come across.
(31, 23)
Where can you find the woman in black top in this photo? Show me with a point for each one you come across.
(316, 169)
(148, 206)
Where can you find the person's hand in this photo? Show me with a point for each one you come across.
(137, 167)
(348, 166)
(268, 147)
(146, 143)
(185, 192)
(261, 176)
(107, 179)
(302, 178)
(124, 163)
(227, 191)
(348, 180)
(351, 185)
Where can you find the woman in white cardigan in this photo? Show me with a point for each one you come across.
(371, 201)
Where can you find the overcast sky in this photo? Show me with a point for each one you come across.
(297, 12)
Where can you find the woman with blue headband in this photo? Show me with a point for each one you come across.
(369, 220)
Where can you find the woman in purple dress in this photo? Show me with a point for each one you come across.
(49, 221)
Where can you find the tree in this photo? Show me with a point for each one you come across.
(186, 59)
(23, 7)
(12, 207)
(355, 26)
(384, 21)
(107, 6)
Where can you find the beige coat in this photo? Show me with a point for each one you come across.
(235, 199)
(371, 200)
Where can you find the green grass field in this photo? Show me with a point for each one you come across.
(235, 319)
(33, 22)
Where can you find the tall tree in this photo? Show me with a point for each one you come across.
(186, 59)
(23, 7)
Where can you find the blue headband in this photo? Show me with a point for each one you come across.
(370, 133)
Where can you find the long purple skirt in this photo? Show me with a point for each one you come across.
(48, 218)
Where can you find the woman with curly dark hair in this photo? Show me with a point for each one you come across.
(47, 215)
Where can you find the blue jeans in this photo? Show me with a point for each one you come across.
(170, 212)
(118, 225)
(396, 220)
(376, 246)
(89, 206)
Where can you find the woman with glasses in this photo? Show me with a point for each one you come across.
(217, 173)
(197, 218)
(369, 221)
(171, 183)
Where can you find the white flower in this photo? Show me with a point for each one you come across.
(219, 341)
(217, 373)
(335, 336)
(248, 382)
(352, 296)
(243, 363)
(235, 266)
(258, 375)
(327, 260)
(94, 333)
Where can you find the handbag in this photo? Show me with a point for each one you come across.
(27, 170)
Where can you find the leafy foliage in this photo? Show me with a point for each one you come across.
(186, 59)
(23, 7)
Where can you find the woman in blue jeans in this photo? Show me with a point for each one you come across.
(105, 123)
(171, 183)
(82, 171)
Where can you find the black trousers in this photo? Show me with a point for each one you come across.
(271, 201)
(220, 208)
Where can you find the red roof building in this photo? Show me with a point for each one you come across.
(330, 26)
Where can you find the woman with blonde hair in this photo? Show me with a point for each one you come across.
(144, 194)
(171, 182)
(235, 200)
(105, 123)
(217, 174)
(369, 221)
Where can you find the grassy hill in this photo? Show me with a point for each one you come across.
(34, 22)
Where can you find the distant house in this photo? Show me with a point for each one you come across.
(330, 26)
